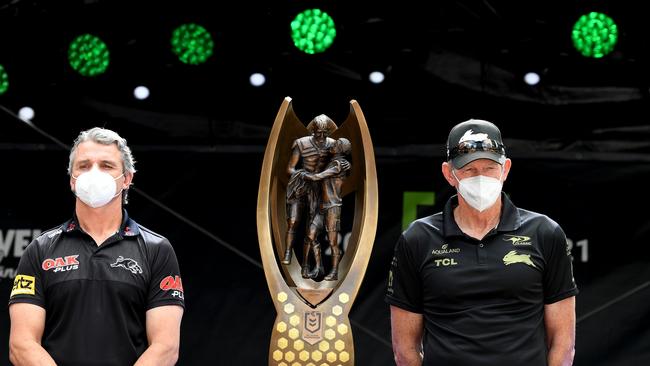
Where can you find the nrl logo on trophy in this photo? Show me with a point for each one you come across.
(316, 178)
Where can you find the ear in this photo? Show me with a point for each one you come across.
(446, 172)
(128, 179)
(72, 183)
(506, 169)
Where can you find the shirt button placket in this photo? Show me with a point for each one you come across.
(481, 253)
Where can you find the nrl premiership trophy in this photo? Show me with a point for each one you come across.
(306, 174)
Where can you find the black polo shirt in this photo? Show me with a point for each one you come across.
(482, 300)
(96, 297)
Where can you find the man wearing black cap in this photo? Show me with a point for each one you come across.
(483, 282)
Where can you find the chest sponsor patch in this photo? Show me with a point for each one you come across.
(514, 257)
(445, 249)
(518, 239)
(61, 264)
(24, 285)
(445, 262)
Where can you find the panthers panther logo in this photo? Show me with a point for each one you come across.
(127, 263)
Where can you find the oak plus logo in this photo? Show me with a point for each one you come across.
(12, 247)
(61, 264)
(173, 284)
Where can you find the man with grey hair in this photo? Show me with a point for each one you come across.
(99, 289)
(483, 282)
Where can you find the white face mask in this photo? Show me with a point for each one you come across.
(480, 192)
(96, 188)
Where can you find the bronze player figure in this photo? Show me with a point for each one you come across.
(313, 152)
(331, 201)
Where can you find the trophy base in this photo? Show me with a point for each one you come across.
(312, 336)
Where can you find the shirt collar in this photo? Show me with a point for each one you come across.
(510, 219)
(128, 227)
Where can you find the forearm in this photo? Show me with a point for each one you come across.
(560, 324)
(406, 331)
(29, 353)
(158, 354)
(561, 353)
(327, 173)
(408, 357)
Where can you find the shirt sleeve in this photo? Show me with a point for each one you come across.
(28, 283)
(558, 275)
(166, 287)
(404, 282)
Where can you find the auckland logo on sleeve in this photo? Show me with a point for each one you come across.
(128, 264)
(61, 264)
(514, 257)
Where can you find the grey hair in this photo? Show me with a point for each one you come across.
(105, 137)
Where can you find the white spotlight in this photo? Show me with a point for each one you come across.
(26, 113)
(376, 77)
(531, 78)
(257, 79)
(141, 92)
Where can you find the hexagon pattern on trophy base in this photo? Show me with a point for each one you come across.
(292, 348)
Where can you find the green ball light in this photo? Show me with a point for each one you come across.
(594, 35)
(4, 80)
(313, 31)
(88, 55)
(192, 44)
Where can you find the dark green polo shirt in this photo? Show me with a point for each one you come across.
(482, 300)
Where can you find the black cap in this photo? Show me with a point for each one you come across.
(475, 139)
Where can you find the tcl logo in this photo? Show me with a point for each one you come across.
(67, 263)
(171, 283)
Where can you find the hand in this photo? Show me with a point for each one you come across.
(345, 165)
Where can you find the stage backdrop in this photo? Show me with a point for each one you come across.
(601, 201)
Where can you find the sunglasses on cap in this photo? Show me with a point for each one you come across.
(468, 147)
